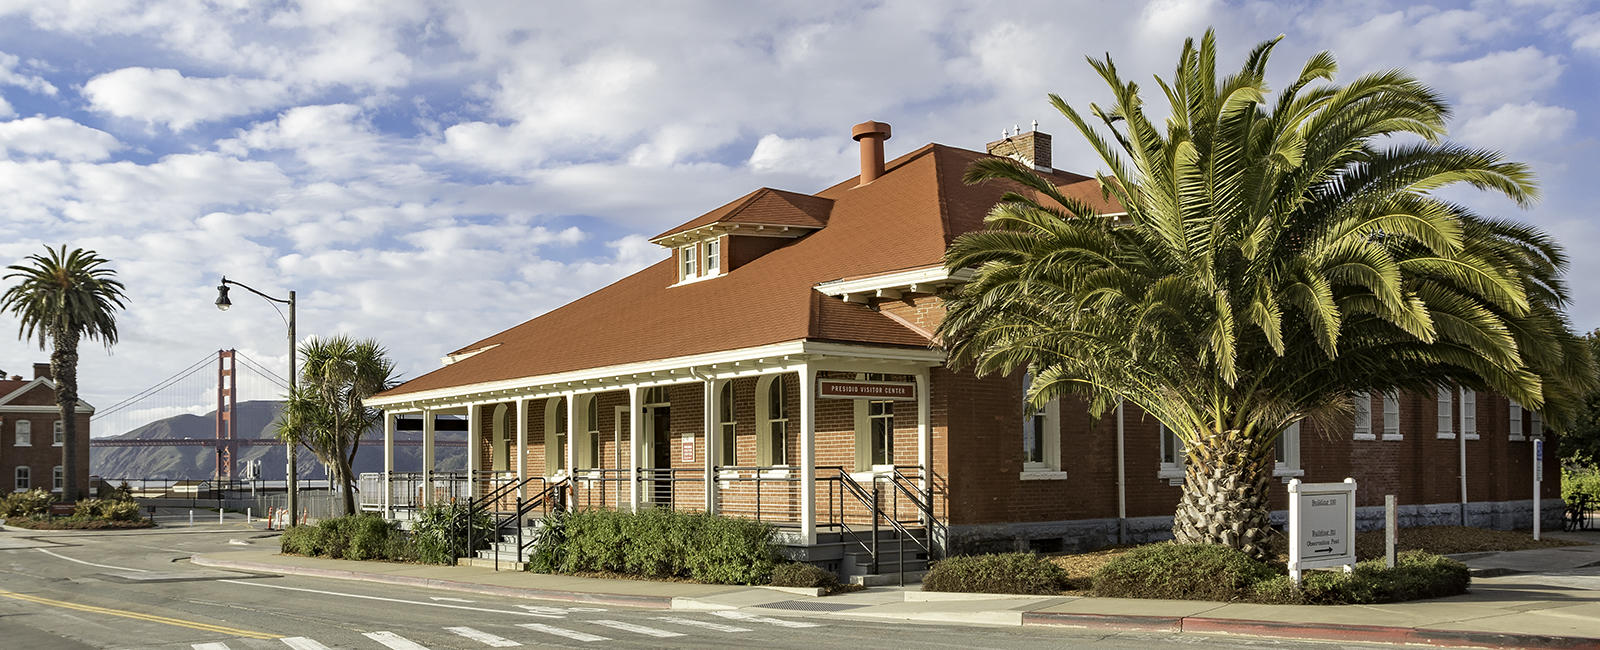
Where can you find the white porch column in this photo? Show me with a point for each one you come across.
(474, 431)
(924, 435)
(713, 443)
(571, 450)
(522, 445)
(808, 454)
(388, 464)
(427, 457)
(633, 447)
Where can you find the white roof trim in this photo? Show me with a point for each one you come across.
(452, 358)
(714, 365)
(894, 281)
(34, 383)
(718, 228)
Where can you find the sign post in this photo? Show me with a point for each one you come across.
(1538, 477)
(1322, 526)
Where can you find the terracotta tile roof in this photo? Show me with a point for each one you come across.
(765, 206)
(903, 220)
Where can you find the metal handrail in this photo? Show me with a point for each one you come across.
(849, 484)
(923, 502)
(556, 488)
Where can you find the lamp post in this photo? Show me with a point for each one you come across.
(223, 303)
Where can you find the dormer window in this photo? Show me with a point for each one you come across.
(687, 259)
(713, 257)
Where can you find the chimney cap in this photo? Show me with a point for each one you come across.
(869, 127)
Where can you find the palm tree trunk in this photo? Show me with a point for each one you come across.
(1225, 495)
(64, 371)
(345, 483)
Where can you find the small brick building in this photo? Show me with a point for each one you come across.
(31, 433)
(781, 364)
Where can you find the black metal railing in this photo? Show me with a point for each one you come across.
(553, 498)
(769, 494)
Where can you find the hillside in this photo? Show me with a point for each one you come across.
(255, 421)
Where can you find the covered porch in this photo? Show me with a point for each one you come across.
(830, 443)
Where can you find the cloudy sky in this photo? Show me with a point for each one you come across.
(428, 173)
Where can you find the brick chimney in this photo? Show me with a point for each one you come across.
(42, 371)
(1032, 147)
(871, 136)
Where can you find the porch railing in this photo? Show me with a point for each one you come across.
(770, 494)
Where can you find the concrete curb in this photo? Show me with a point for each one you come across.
(1309, 631)
(628, 600)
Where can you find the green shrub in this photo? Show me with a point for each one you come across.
(27, 504)
(1416, 575)
(656, 543)
(441, 533)
(1182, 572)
(800, 574)
(299, 540)
(1580, 482)
(1007, 573)
(107, 509)
(370, 538)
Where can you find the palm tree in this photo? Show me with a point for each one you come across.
(61, 298)
(1274, 261)
(326, 412)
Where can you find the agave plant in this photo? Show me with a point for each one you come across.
(1271, 261)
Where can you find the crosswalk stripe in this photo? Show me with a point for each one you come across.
(302, 643)
(210, 646)
(705, 624)
(571, 634)
(636, 629)
(483, 637)
(395, 641)
(757, 618)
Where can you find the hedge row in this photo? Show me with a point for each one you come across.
(356, 537)
(657, 543)
(1207, 572)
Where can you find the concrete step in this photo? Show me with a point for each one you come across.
(889, 578)
(506, 564)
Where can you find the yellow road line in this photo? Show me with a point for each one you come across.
(207, 627)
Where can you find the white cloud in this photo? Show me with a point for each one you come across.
(166, 96)
(11, 75)
(1497, 77)
(55, 137)
(1585, 33)
(819, 156)
(1518, 127)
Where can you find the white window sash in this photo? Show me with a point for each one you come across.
(1391, 416)
(1514, 421)
(1469, 414)
(1363, 416)
(1446, 422)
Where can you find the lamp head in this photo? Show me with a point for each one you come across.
(222, 297)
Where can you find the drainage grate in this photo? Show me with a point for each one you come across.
(811, 606)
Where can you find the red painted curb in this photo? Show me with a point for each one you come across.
(1310, 631)
(627, 600)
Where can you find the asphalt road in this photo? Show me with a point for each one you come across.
(135, 590)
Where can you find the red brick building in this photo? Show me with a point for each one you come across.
(31, 433)
(781, 364)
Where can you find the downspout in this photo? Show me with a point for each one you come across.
(1461, 440)
(1122, 487)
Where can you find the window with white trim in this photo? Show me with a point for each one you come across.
(1172, 454)
(880, 427)
(1041, 432)
(555, 435)
(1363, 416)
(1514, 420)
(1286, 452)
(59, 434)
(1391, 416)
(727, 450)
(775, 429)
(57, 478)
(1536, 424)
(688, 268)
(1469, 414)
(591, 434)
(1446, 422)
(24, 433)
(24, 478)
(713, 257)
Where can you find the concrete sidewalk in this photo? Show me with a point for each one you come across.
(1552, 601)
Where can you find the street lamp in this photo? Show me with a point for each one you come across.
(223, 303)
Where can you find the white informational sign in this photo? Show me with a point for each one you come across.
(688, 448)
(1322, 526)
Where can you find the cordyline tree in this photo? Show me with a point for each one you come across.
(63, 297)
(326, 411)
(1276, 260)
